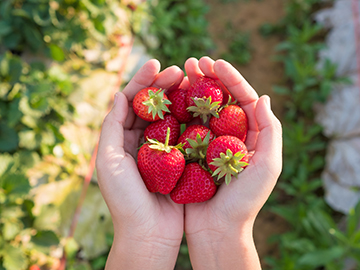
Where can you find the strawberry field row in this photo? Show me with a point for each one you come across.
(314, 239)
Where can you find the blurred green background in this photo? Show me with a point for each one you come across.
(61, 62)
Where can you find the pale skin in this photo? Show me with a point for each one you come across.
(148, 227)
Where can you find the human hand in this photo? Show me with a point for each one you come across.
(148, 227)
(219, 231)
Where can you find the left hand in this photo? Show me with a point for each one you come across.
(146, 225)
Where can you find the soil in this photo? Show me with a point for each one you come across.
(247, 16)
(262, 72)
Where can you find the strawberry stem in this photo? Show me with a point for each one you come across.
(167, 137)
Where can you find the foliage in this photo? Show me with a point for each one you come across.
(314, 241)
(57, 28)
(178, 30)
(239, 49)
(32, 107)
(43, 56)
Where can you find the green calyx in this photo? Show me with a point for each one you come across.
(198, 147)
(204, 108)
(157, 103)
(228, 165)
(229, 102)
(155, 144)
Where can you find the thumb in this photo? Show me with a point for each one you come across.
(268, 149)
(112, 132)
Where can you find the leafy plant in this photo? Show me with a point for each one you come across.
(314, 241)
(177, 31)
(43, 46)
(32, 107)
(239, 49)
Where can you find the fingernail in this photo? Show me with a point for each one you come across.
(116, 96)
(267, 101)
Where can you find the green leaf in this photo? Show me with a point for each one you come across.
(56, 52)
(321, 257)
(8, 138)
(6, 161)
(41, 89)
(25, 159)
(48, 219)
(4, 90)
(5, 28)
(29, 139)
(71, 247)
(11, 229)
(45, 239)
(41, 104)
(15, 184)
(14, 258)
(12, 40)
(14, 114)
(20, 13)
(15, 69)
(12, 212)
(353, 220)
(33, 37)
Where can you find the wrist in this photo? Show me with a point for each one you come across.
(148, 252)
(232, 248)
(143, 248)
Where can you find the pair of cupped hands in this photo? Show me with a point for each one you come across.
(146, 224)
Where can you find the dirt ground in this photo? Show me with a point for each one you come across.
(262, 73)
(247, 16)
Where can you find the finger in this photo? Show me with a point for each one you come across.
(251, 138)
(243, 93)
(111, 144)
(185, 84)
(192, 69)
(131, 117)
(143, 78)
(132, 141)
(206, 64)
(133, 121)
(235, 83)
(268, 151)
(169, 78)
(112, 159)
(253, 186)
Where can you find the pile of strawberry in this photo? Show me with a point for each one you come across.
(191, 165)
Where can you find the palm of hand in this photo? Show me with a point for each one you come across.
(130, 203)
(242, 199)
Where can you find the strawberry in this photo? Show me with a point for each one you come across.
(151, 104)
(232, 121)
(178, 105)
(157, 130)
(160, 165)
(204, 98)
(195, 185)
(226, 156)
(195, 140)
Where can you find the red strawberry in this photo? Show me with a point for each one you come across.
(232, 121)
(226, 156)
(178, 105)
(151, 104)
(195, 185)
(204, 97)
(157, 130)
(160, 165)
(195, 140)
